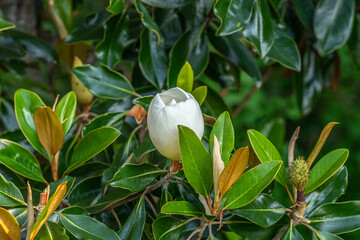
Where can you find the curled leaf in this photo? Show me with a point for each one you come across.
(320, 143)
(138, 112)
(234, 169)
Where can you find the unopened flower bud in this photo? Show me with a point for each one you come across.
(299, 173)
(218, 167)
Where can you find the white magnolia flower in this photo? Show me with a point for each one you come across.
(218, 167)
(168, 110)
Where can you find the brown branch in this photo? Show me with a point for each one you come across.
(139, 194)
(252, 91)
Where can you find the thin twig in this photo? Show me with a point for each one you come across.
(193, 234)
(252, 91)
(202, 228)
(139, 194)
(281, 232)
(116, 217)
(150, 204)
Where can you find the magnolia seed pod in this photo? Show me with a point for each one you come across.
(83, 95)
(299, 173)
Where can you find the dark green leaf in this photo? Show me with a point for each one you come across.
(166, 228)
(284, 50)
(232, 48)
(181, 208)
(152, 58)
(104, 82)
(10, 195)
(134, 225)
(259, 31)
(192, 46)
(93, 143)
(215, 104)
(224, 131)
(304, 10)
(250, 184)
(234, 15)
(84, 227)
(145, 147)
(196, 161)
(135, 177)
(91, 29)
(111, 48)
(8, 117)
(326, 167)
(116, 6)
(65, 11)
(143, 101)
(9, 48)
(146, 19)
(264, 211)
(168, 3)
(333, 20)
(51, 231)
(26, 102)
(104, 120)
(354, 41)
(20, 160)
(4, 25)
(325, 236)
(337, 217)
(20, 214)
(66, 110)
(328, 192)
(70, 182)
(266, 151)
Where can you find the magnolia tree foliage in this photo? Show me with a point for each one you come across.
(118, 157)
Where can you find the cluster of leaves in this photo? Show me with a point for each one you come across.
(88, 181)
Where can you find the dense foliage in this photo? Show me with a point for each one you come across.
(76, 158)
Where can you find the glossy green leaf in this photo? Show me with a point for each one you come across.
(192, 46)
(51, 231)
(20, 214)
(143, 101)
(251, 184)
(259, 31)
(85, 191)
(166, 228)
(249, 230)
(181, 208)
(104, 82)
(233, 14)
(328, 192)
(264, 211)
(320, 235)
(113, 196)
(66, 110)
(196, 161)
(135, 177)
(224, 131)
(69, 184)
(284, 50)
(26, 102)
(20, 160)
(4, 25)
(146, 19)
(326, 167)
(199, 94)
(185, 78)
(266, 151)
(116, 6)
(104, 120)
(337, 217)
(91, 28)
(111, 48)
(231, 48)
(152, 58)
(168, 3)
(135, 223)
(84, 227)
(8, 117)
(333, 20)
(93, 143)
(291, 233)
(10, 195)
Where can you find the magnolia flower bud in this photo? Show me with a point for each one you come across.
(168, 110)
(218, 167)
(299, 173)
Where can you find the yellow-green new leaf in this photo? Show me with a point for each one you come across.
(320, 143)
(49, 129)
(200, 94)
(9, 227)
(234, 169)
(185, 79)
(49, 209)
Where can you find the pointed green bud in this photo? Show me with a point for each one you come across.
(299, 173)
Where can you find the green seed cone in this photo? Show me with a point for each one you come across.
(299, 173)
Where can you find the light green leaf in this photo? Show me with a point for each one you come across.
(66, 110)
(181, 208)
(185, 78)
